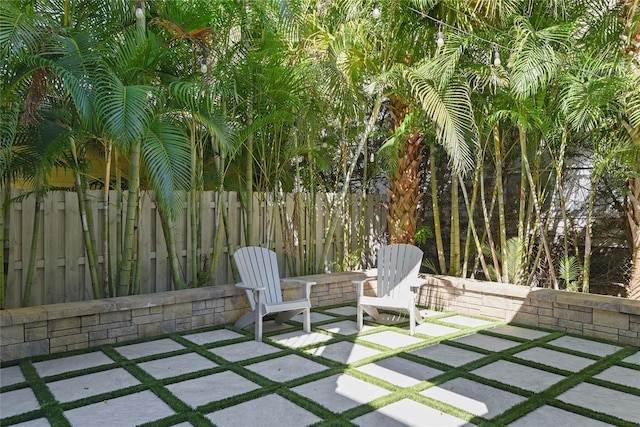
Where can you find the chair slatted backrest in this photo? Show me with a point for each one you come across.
(258, 267)
(398, 267)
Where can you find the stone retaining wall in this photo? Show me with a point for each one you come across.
(54, 328)
(599, 316)
(32, 331)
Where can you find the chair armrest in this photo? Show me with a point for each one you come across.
(250, 288)
(306, 290)
(360, 284)
(418, 283)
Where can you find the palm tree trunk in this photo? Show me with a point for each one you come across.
(26, 296)
(166, 220)
(454, 244)
(125, 272)
(633, 215)
(437, 227)
(106, 257)
(502, 230)
(5, 199)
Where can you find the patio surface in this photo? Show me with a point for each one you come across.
(456, 371)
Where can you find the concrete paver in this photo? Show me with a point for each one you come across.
(520, 332)
(620, 375)
(340, 392)
(585, 346)
(150, 348)
(210, 337)
(343, 311)
(270, 410)
(435, 330)
(487, 342)
(18, 402)
(89, 385)
(298, 339)
(479, 399)
(73, 363)
(344, 352)
(448, 355)
(315, 317)
(622, 405)
(244, 350)
(634, 358)
(551, 416)
(40, 422)
(470, 322)
(177, 365)
(286, 368)
(210, 388)
(391, 339)
(11, 375)
(517, 375)
(554, 358)
(344, 327)
(399, 371)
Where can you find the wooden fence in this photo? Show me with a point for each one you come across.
(61, 270)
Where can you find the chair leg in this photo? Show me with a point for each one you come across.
(412, 320)
(259, 314)
(245, 320)
(360, 317)
(306, 323)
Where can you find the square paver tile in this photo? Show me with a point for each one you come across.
(634, 358)
(72, 363)
(429, 313)
(18, 402)
(448, 355)
(469, 322)
(11, 375)
(434, 330)
(340, 392)
(344, 352)
(517, 375)
(620, 375)
(210, 388)
(270, 410)
(125, 411)
(585, 346)
(476, 398)
(40, 422)
(345, 327)
(399, 371)
(519, 332)
(286, 368)
(343, 311)
(177, 365)
(315, 317)
(244, 350)
(551, 416)
(554, 358)
(297, 339)
(391, 339)
(212, 336)
(410, 413)
(135, 351)
(88, 385)
(622, 405)
(487, 342)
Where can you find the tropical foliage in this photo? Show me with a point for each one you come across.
(472, 114)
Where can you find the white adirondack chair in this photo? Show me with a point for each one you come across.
(258, 268)
(398, 268)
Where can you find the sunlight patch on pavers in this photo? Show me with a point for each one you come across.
(270, 410)
(11, 375)
(125, 411)
(469, 322)
(48, 368)
(271, 326)
(476, 398)
(517, 375)
(551, 416)
(634, 358)
(297, 339)
(622, 405)
(391, 339)
(585, 346)
(343, 311)
(91, 384)
(135, 351)
(519, 332)
(429, 313)
(620, 375)
(399, 371)
(554, 358)
(210, 388)
(409, 413)
(344, 352)
(212, 336)
(315, 317)
(17, 402)
(434, 330)
(40, 422)
(177, 365)
(448, 355)
(244, 350)
(345, 327)
(286, 368)
(341, 392)
(487, 342)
